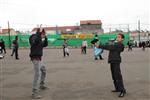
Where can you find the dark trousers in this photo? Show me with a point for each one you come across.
(65, 53)
(84, 50)
(117, 77)
(15, 50)
(3, 49)
(143, 48)
(130, 48)
(16, 53)
(100, 57)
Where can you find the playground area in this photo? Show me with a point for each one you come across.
(77, 77)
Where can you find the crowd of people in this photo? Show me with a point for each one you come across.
(141, 44)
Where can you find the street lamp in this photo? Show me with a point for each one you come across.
(139, 29)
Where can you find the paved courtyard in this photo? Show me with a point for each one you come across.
(77, 77)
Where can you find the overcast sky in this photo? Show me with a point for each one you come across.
(29, 13)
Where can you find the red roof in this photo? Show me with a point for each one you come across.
(5, 31)
(90, 22)
(59, 28)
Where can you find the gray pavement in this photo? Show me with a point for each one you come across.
(77, 77)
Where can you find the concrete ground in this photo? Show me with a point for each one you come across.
(77, 77)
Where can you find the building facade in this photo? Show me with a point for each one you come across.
(86, 27)
(6, 32)
(91, 26)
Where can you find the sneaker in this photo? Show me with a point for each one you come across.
(36, 96)
(43, 87)
(95, 58)
(101, 59)
(122, 94)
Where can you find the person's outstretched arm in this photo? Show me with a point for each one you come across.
(115, 47)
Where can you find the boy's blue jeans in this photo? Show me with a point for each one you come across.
(39, 75)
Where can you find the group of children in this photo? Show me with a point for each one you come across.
(96, 51)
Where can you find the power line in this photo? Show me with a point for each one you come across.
(110, 27)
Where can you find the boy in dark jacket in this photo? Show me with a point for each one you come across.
(36, 53)
(2, 45)
(15, 48)
(115, 59)
(65, 48)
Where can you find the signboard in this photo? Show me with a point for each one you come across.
(77, 36)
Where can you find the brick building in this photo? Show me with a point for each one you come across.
(6, 31)
(86, 26)
(91, 26)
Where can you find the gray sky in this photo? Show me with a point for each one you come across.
(29, 13)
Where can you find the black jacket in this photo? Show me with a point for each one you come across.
(15, 44)
(36, 43)
(94, 41)
(114, 52)
(2, 44)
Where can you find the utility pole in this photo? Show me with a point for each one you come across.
(9, 35)
(128, 28)
(139, 30)
(110, 29)
(56, 29)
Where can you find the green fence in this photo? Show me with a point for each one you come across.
(56, 40)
